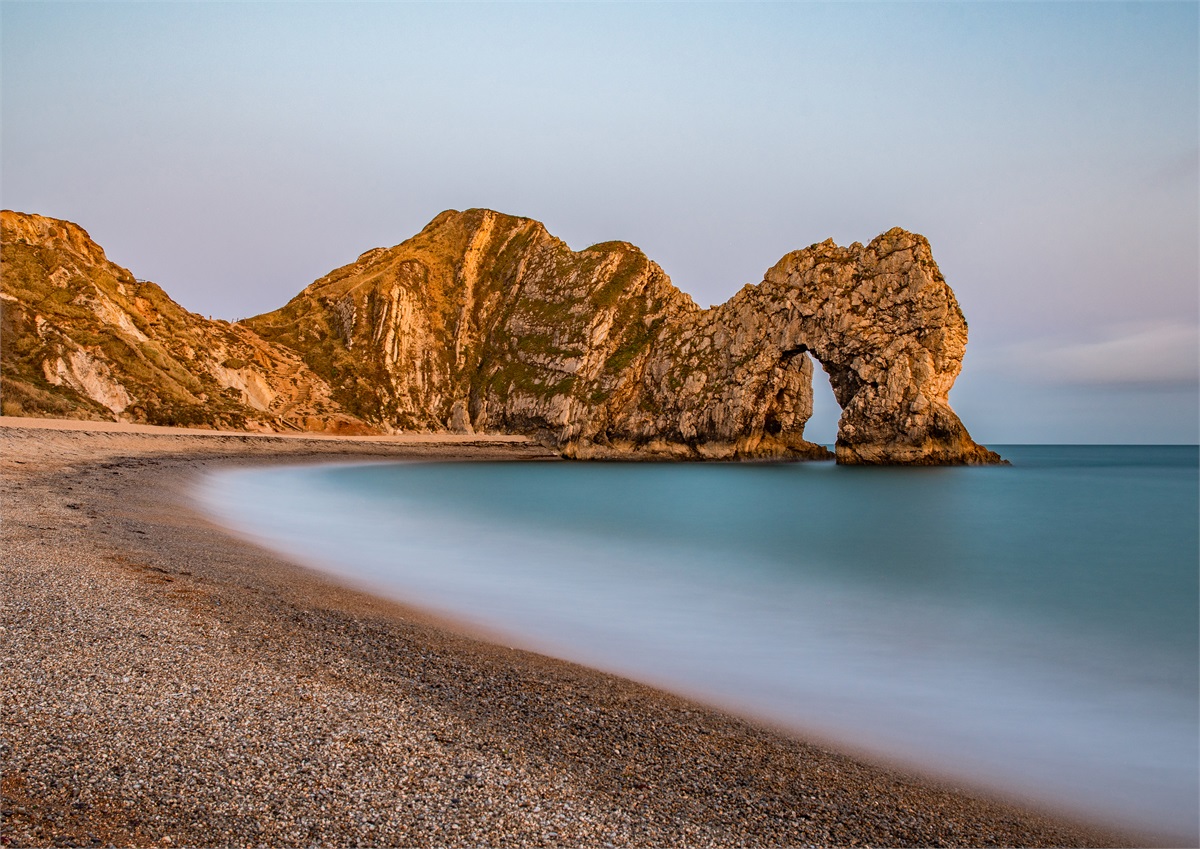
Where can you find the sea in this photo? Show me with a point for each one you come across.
(1028, 631)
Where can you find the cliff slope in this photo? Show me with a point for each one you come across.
(82, 338)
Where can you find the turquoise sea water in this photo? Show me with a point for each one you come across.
(1031, 630)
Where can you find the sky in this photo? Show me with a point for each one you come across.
(1050, 152)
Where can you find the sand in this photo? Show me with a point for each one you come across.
(166, 684)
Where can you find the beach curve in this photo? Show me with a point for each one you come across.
(170, 684)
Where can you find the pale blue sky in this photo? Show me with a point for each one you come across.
(236, 152)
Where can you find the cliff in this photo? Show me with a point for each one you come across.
(484, 321)
(80, 337)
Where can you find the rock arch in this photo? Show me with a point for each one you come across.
(887, 329)
(736, 380)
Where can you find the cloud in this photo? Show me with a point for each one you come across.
(1159, 356)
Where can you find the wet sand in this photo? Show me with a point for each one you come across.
(168, 684)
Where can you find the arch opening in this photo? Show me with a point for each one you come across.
(822, 426)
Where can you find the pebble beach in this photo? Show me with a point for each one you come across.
(168, 684)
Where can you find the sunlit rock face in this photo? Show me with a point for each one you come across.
(486, 322)
(888, 330)
(82, 338)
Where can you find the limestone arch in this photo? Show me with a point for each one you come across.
(885, 327)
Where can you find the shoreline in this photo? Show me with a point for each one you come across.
(411, 438)
(171, 684)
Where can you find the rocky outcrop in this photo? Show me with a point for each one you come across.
(486, 322)
(888, 331)
(881, 321)
(82, 338)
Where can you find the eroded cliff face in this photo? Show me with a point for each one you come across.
(482, 321)
(486, 322)
(81, 338)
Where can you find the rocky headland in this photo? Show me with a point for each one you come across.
(485, 322)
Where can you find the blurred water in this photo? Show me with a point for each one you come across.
(1031, 629)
